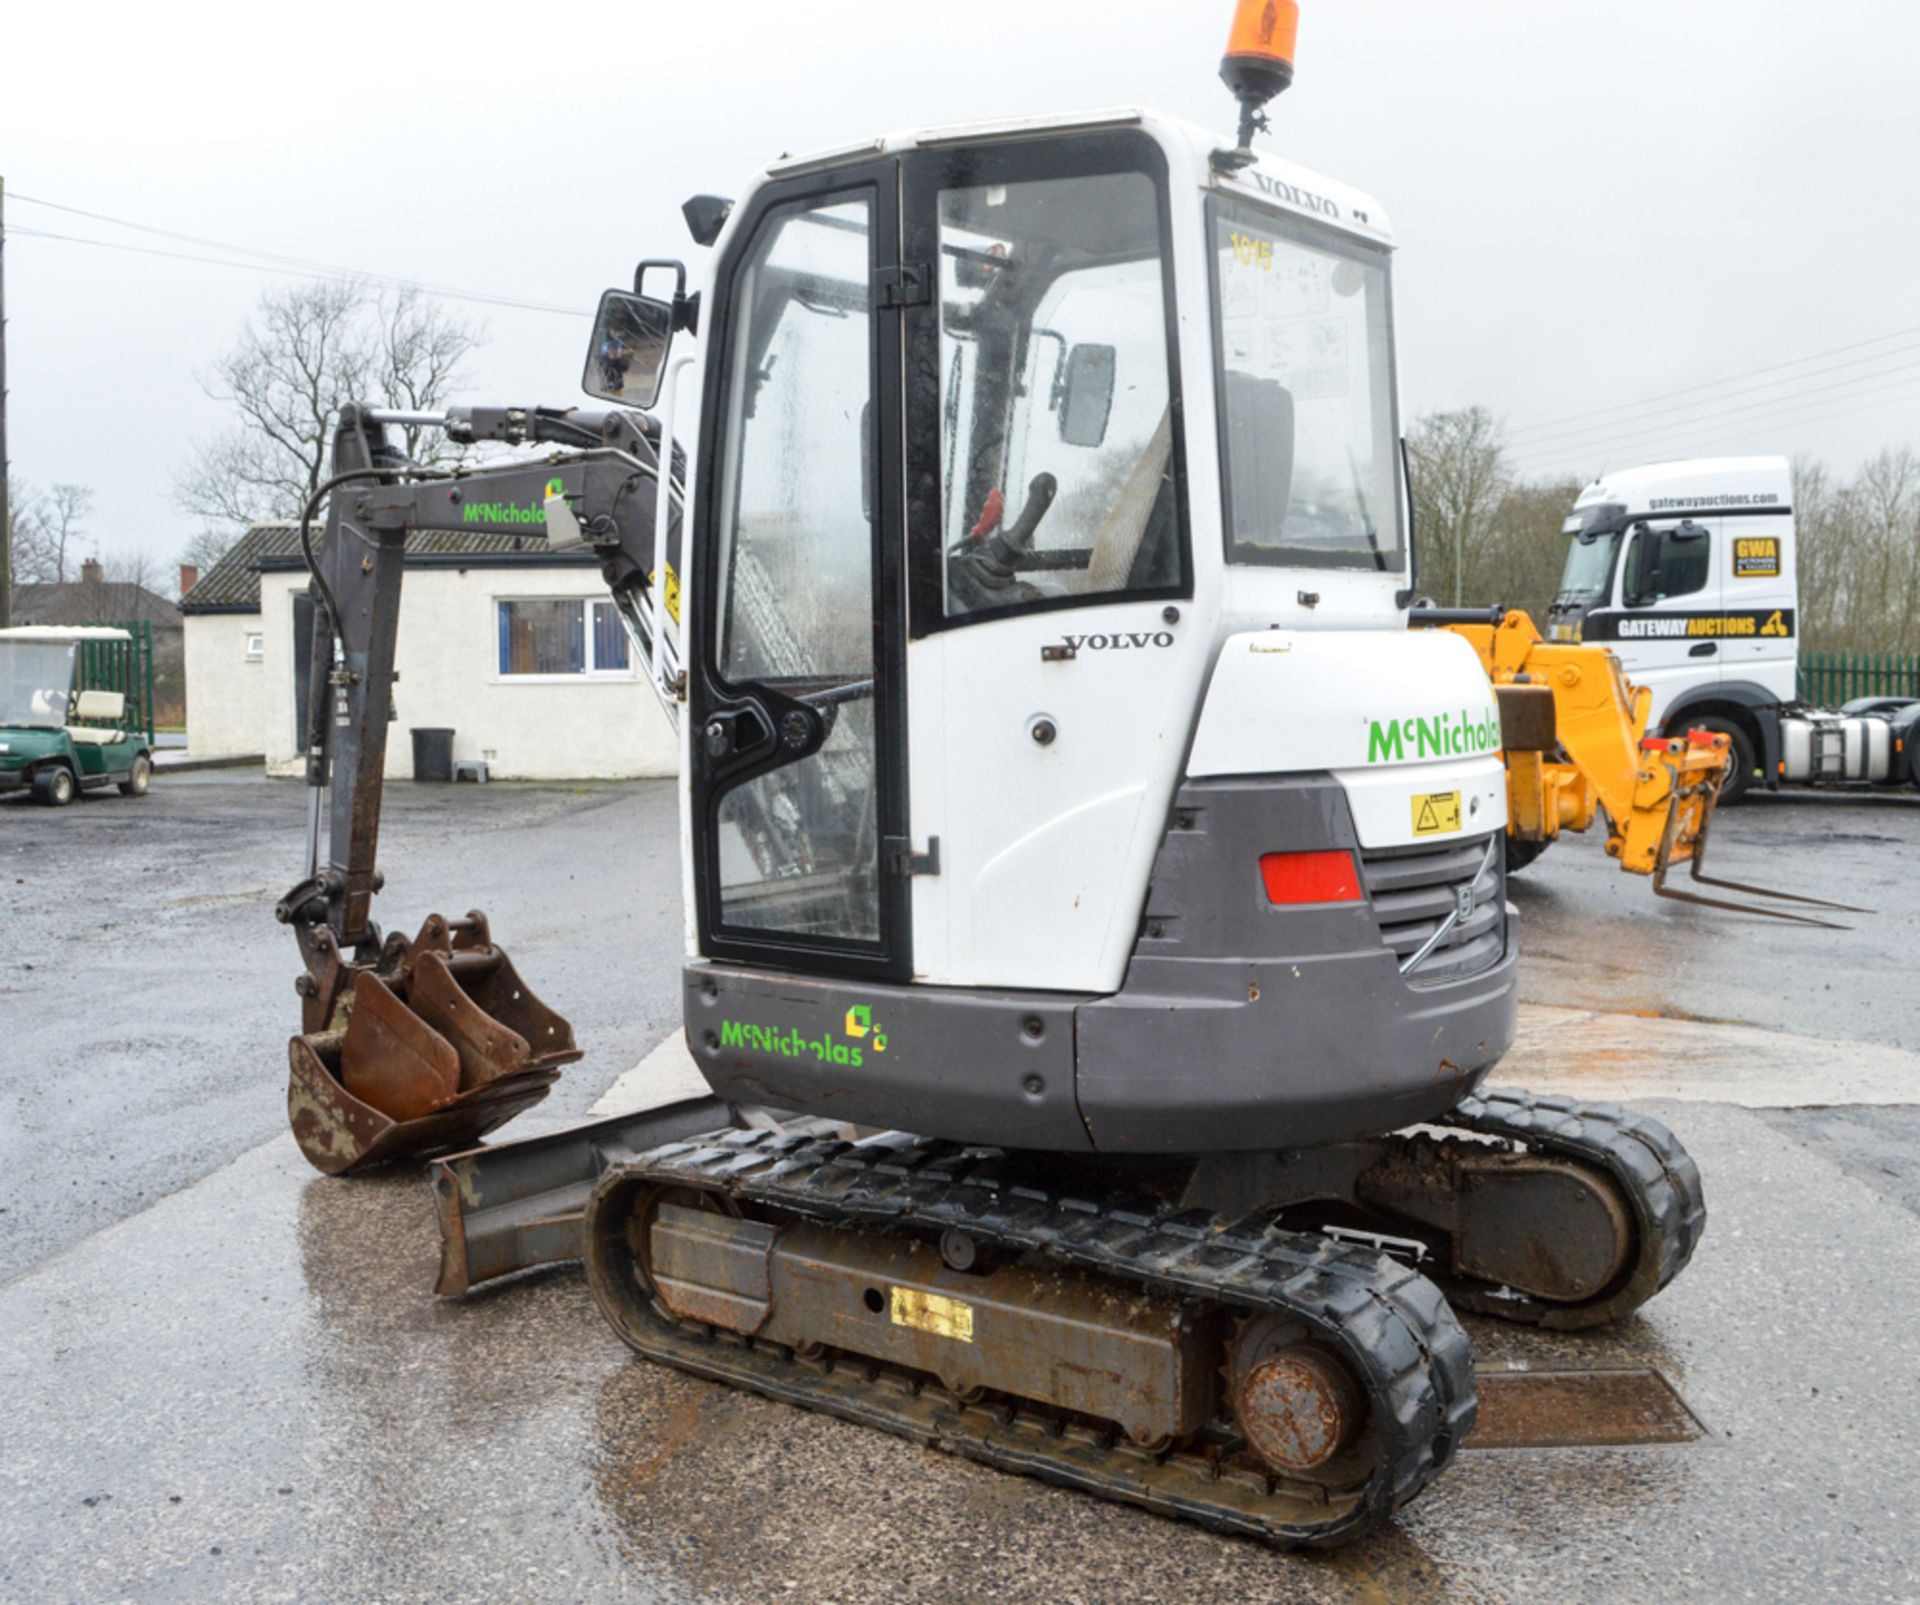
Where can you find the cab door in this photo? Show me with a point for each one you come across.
(1671, 612)
(795, 690)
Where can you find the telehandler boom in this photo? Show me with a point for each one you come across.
(1069, 943)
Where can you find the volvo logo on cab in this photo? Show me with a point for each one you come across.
(1126, 641)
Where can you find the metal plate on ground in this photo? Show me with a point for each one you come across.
(1580, 1410)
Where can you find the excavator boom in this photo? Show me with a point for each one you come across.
(414, 1047)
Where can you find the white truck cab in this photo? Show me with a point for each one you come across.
(1686, 572)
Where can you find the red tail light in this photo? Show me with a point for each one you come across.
(1326, 877)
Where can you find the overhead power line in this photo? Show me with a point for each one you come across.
(1689, 436)
(1714, 384)
(1707, 446)
(263, 261)
(1572, 435)
(1862, 384)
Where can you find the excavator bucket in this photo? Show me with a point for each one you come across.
(428, 1051)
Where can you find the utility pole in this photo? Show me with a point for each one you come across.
(6, 507)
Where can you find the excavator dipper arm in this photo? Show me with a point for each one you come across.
(411, 1047)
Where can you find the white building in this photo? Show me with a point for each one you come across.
(514, 647)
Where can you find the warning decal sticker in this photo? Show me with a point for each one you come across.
(1435, 813)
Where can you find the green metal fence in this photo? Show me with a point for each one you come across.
(1828, 679)
(126, 667)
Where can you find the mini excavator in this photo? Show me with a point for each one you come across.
(1095, 971)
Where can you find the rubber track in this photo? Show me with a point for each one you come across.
(1658, 1176)
(1391, 1324)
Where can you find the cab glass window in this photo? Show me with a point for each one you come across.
(1058, 476)
(1679, 565)
(1304, 332)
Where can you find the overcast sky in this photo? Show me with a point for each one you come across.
(1598, 202)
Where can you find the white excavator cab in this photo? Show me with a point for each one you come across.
(1045, 468)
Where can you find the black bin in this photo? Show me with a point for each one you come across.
(432, 754)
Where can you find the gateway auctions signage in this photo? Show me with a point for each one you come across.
(1687, 626)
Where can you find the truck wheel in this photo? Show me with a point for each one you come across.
(138, 777)
(53, 786)
(1740, 776)
(1522, 853)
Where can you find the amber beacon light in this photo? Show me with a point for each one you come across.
(1259, 59)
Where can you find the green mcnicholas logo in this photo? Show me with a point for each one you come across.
(1444, 736)
(505, 513)
(862, 1034)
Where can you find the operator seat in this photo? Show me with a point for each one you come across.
(1259, 426)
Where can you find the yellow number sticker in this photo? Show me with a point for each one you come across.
(1436, 812)
(933, 1312)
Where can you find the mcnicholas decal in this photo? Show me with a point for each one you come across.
(1446, 735)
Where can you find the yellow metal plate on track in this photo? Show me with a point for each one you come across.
(933, 1312)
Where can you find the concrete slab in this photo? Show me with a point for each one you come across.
(247, 1391)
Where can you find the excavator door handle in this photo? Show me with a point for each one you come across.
(739, 733)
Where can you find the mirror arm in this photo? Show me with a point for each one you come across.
(686, 308)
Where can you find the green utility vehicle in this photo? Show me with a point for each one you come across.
(75, 706)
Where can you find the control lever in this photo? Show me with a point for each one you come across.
(995, 559)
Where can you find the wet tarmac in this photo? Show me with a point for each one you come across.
(225, 1376)
(146, 993)
(1595, 937)
(248, 1392)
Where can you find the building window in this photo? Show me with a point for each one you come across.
(556, 636)
(256, 646)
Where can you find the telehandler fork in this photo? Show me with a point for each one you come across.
(1574, 737)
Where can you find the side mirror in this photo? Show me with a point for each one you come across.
(628, 355)
(1689, 531)
(1087, 400)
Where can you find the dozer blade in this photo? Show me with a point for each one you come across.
(438, 1046)
(521, 1204)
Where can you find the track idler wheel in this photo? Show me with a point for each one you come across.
(428, 1050)
(1297, 1404)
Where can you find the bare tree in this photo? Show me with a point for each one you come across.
(46, 530)
(207, 548)
(1522, 558)
(1460, 478)
(309, 349)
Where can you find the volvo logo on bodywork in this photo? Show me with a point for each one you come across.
(1071, 646)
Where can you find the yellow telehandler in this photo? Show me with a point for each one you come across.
(1574, 737)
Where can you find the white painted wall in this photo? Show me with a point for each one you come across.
(564, 728)
(227, 692)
